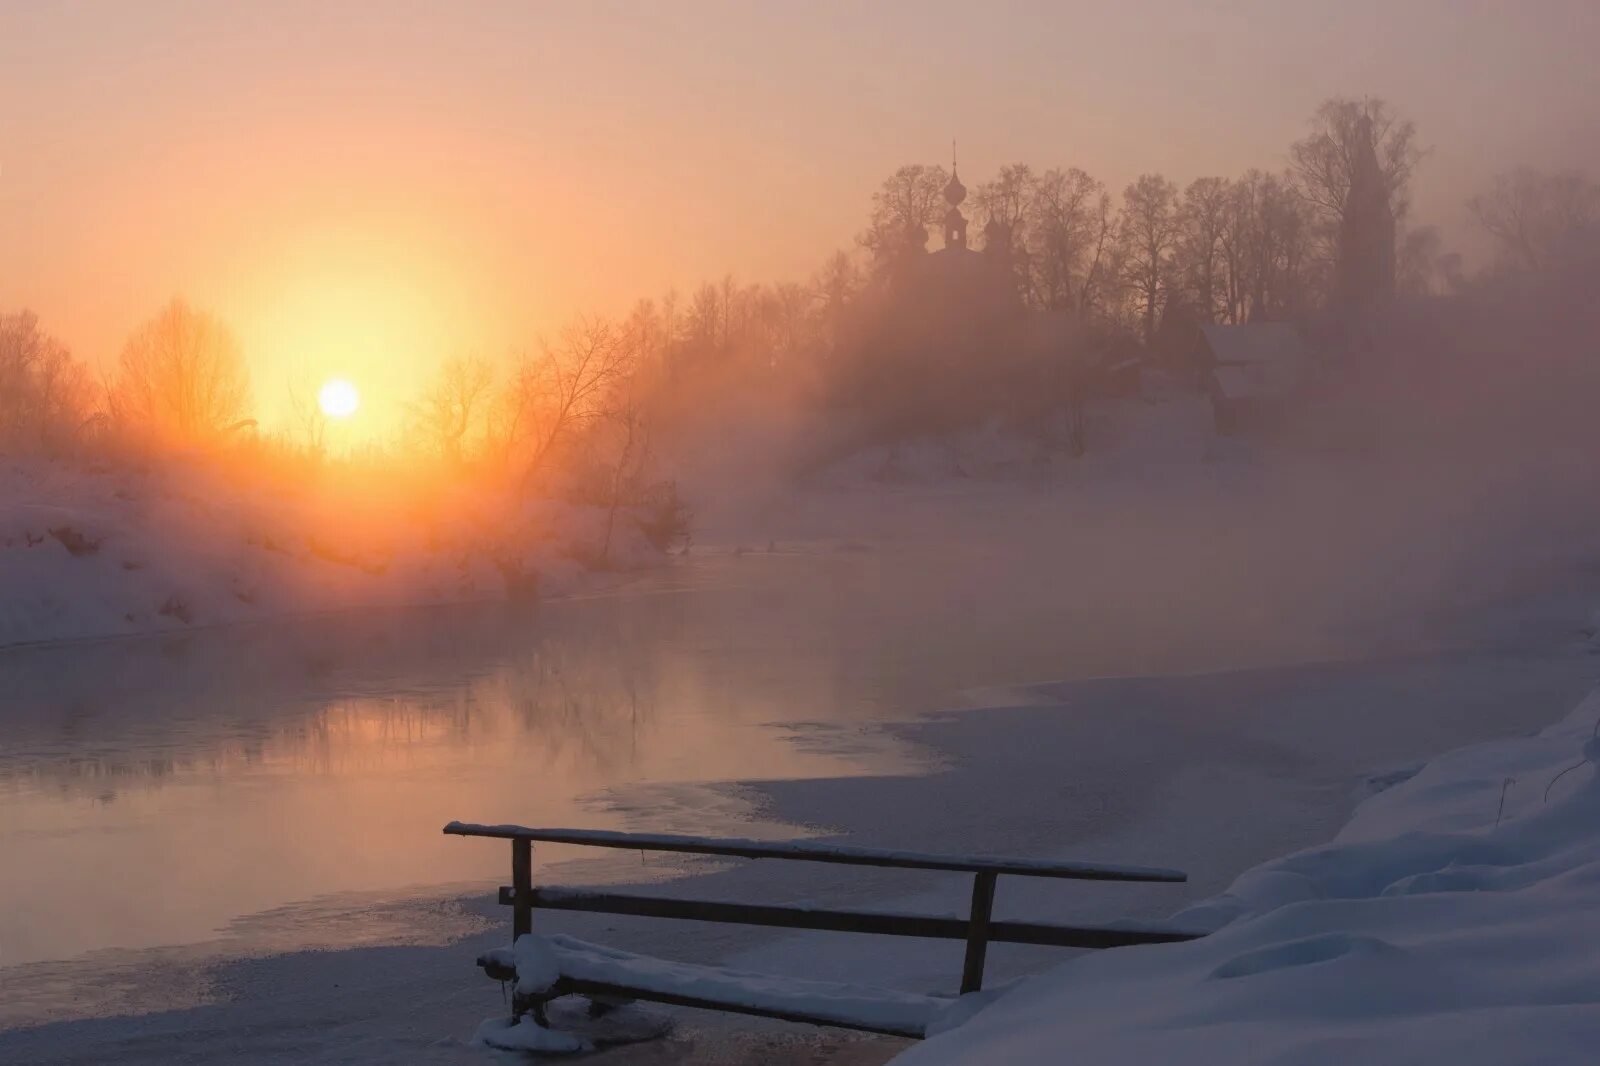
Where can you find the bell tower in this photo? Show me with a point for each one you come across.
(955, 223)
(1365, 266)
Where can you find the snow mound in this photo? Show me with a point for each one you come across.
(1452, 920)
(540, 961)
(525, 1034)
(574, 1028)
(535, 963)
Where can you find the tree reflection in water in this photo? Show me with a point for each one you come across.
(230, 772)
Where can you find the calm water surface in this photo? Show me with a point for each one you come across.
(160, 791)
(153, 790)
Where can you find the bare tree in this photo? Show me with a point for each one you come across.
(1202, 222)
(1149, 231)
(905, 205)
(1422, 266)
(728, 293)
(838, 281)
(703, 324)
(1099, 272)
(1002, 206)
(45, 394)
(1535, 217)
(559, 390)
(1265, 249)
(1070, 224)
(649, 326)
(836, 285)
(629, 433)
(454, 406)
(181, 377)
(308, 424)
(1005, 200)
(788, 323)
(1324, 162)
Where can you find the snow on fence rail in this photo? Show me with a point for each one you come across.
(812, 852)
(710, 987)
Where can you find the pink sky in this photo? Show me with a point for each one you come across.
(363, 188)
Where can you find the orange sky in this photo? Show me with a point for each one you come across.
(364, 188)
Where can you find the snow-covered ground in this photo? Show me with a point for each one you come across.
(97, 551)
(1452, 920)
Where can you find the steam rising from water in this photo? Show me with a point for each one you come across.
(1445, 460)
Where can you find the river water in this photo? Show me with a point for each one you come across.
(154, 790)
(163, 791)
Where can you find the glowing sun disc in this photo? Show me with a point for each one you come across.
(339, 398)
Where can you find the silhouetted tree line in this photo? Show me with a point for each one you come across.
(179, 381)
(584, 412)
(1258, 246)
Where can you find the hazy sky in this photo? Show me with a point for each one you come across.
(361, 188)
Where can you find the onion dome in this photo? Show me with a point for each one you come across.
(995, 233)
(954, 192)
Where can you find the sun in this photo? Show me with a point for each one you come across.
(338, 398)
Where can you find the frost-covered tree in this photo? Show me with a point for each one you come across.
(905, 205)
(557, 391)
(1070, 224)
(1004, 201)
(1149, 231)
(453, 411)
(1002, 208)
(1202, 221)
(1537, 218)
(45, 394)
(181, 377)
(1324, 163)
(1266, 249)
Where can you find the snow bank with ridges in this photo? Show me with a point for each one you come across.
(1453, 920)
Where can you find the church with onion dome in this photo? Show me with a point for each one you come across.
(949, 340)
(958, 278)
(950, 335)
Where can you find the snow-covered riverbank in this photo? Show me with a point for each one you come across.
(1452, 920)
(87, 552)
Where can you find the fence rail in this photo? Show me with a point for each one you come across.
(808, 851)
(978, 929)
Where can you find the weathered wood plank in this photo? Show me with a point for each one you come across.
(844, 921)
(813, 852)
(521, 887)
(569, 986)
(978, 932)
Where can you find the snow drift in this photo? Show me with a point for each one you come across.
(540, 962)
(1453, 920)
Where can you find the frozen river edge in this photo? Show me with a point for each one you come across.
(1212, 773)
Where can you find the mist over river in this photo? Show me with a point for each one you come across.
(159, 791)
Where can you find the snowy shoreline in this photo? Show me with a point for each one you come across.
(579, 586)
(1451, 920)
(88, 554)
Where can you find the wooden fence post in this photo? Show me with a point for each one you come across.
(978, 932)
(522, 887)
